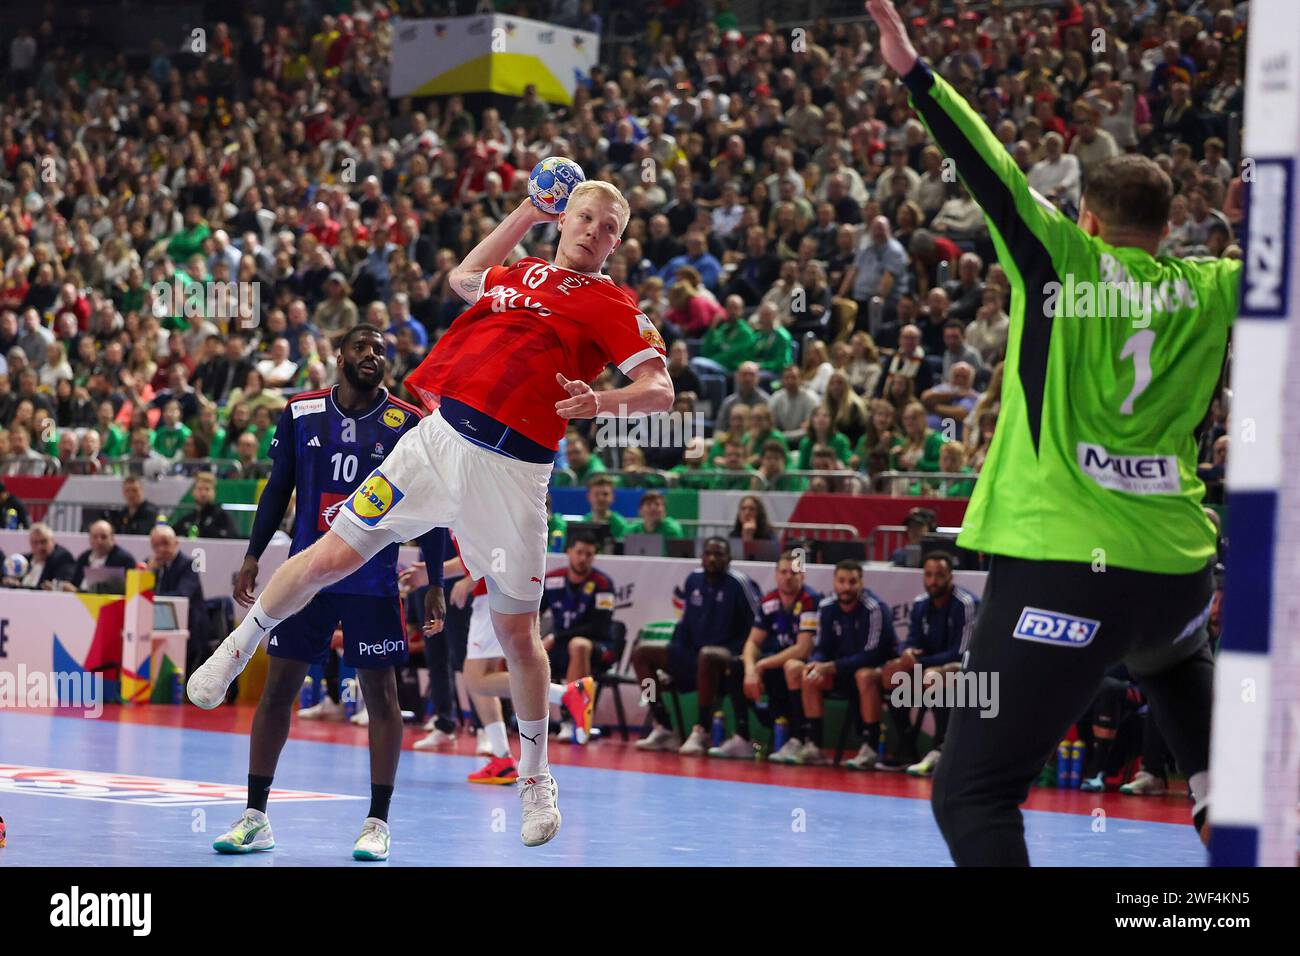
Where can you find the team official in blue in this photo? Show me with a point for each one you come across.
(939, 632)
(780, 643)
(581, 600)
(325, 443)
(719, 607)
(855, 638)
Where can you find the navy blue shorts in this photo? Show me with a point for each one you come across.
(373, 634)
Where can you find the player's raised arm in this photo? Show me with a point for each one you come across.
(468, 277)
(1025, 221)
(651, 391)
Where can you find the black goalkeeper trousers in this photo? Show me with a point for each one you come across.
(1049, 630)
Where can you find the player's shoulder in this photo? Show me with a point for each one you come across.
(308, 403)
(399, 414)
(829, 601)
(966, 597)
(920, 599)
(870, 598)
(603, 581)
(554, 578)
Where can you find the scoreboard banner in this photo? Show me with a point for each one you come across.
(490, 54)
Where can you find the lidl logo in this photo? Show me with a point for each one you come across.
(1053, 627)
(374, 499)
(394, 418)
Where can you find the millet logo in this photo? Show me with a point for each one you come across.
(1136, 474)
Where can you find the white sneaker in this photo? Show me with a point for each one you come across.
(431, 725)
(734, 747)
(324, 709)
(540, 798)
(810, 755)
(373, 842)
(361, 718)
(697, 744)
(1144, 784)
(565, 736)
(250, 832)
(482, 747)
(207, 686)
(926, 766)
(660, 738)
(865, 760)
(435, 740)
(789, 752)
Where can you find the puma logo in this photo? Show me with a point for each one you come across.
(537, 579)
(533, 739)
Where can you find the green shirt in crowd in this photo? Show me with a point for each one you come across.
(169, 440)
(729, 343)
(838, 444)
(773, 351)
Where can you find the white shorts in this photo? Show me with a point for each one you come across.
(483, 642)
(436, 478)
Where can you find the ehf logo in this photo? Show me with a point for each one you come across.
(1052, 627)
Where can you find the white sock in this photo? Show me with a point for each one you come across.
(556, 694)
(532, 748)
(253, 628)
(496, 735)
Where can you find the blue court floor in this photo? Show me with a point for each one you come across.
(611, 817)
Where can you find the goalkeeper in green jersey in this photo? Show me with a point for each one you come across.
(1088, 501)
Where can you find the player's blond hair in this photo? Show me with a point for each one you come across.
(608, 192)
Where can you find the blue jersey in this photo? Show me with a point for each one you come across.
(860, 637)
(782, 625)
(717, 611)
(329, 454)
(579, 610)
(942, 634)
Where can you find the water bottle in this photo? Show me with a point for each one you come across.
(1076, 764)
(719, 727)
(11, 519)
(307, 696)
(194, 530)
(349, 697)
(780, 733)
(1063, 765)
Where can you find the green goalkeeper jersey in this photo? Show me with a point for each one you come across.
(1113, 358)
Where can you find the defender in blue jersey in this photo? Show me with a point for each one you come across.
(326, 442)
(855, 639)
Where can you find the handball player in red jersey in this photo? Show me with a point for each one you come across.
(501, 384)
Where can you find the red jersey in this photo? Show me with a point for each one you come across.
(531, 320)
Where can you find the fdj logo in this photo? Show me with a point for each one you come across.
(1051, 627)
(374, 499)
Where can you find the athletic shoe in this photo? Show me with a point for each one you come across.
(431, 725)
(498, 770)
(1095, 784)
(925, 766)
(1144, 785)
(735, 747)
(540, 798)
(697, 744)
(892, 764)
(810, 755)
(373, 842)
(482, 747)
(250, 832)
(324, 709)
(435, 740)
(579, 698)
(789, 752)
(565, 736)
(660, 738)
(207, 686)
(361, 718)
(865, 759)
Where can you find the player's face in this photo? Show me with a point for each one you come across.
(581, 557)
(938, 579)
(364, 361)
(788, 580)
(848, 587)
(589, 232)
(716, 558)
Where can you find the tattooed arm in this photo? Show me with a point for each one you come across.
(467, 278)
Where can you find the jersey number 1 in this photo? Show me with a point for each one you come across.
(1138, 346)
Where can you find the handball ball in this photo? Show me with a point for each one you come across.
(551, 182)
(16, 565)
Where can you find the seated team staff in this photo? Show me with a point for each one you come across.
(779, 644)
(580, 598)
(855, 638)
(719, 609)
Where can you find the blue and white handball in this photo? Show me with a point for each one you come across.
(551, 182)
(16, 565)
